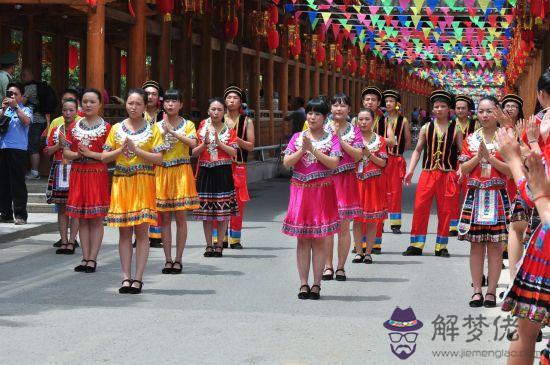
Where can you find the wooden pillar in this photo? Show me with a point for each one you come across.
(164, 54)
(32, 47)
(340, 87)
(307, 77)
(223, 65)
(316, 81)
(352, 88)
(60, 67)
(324, 88)
(95, 55)
(296, 79)
(137, 50)
(332, 83)
(283, 95)
(205, 62)
(239, 67)
(268, 96)
(113, 65)
(183, 65)
(255, 79)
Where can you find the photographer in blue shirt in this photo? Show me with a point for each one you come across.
(13, 155)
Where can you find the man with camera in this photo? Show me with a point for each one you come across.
(14, 128)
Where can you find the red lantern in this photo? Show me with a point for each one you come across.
(321, 54)
(165, 7)
(273, 14)
(73, 57)
(123, 65)
(296, 48)
(338, 61)
(272, 39)
(231, 28)
(363, 70)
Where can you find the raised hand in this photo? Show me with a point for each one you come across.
(307, 145)
(538, 180)
(532, 129)
(508, 146)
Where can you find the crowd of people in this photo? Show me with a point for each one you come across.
(484, 166)
(486, 169)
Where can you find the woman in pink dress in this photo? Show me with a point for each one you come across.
(345, 182)
(312, 214)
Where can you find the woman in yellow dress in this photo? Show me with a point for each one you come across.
(175, 184)
(136, 146)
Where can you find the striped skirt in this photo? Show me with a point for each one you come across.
(217, 196)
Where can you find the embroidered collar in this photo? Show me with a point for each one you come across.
(139, 137)
(86, 133)
(349, 133)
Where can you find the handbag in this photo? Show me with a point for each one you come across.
(4, 124)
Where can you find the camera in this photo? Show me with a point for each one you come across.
(9, 94)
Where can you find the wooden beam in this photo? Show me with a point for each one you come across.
(95, 56)
(183, 65)
(137, 47)
(296, 80)
(307, 78)
(119, 16)
(205, 62)
(164, 55)
(32, 47)
(60, 65)
(324, 88)
(268, 96)
(316, 81)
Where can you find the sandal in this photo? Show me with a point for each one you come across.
(90, 269)
(168, 270)
(340, 277)
(176, 270)
(81, 267)
(217, 251)
(358, 258)
(125, 289)
(62, 250)
(208, 251)
(490, 303)
(367, 259)
(304, 294)
(315, 295)
(476, 303)
(328, 276)
(133, 289)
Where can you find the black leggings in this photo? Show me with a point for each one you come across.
(13, 189)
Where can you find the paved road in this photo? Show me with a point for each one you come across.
(240, 309)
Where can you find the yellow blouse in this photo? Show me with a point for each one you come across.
(175, 151)
(147, 138)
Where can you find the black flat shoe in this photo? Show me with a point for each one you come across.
(236, 246)
(80, 268)
(315, 295)
(505, 255)
(304, 294)
(90, 269)
(476, 303)
(125, 289)
(490, 303)
(412, 251)
(62, 250)
(376, 251)
(340, 277)
(176, 270)
(70, 251)
(133, 290)
(442, 253)
(358, 258)
(328, 276)
(367, 259)
(168, 270)
(57, 244)
(218, 251)
(225, 244)
(208, 251)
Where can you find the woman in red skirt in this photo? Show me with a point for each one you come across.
(371, 186)
(89, 194)
(58, 181)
